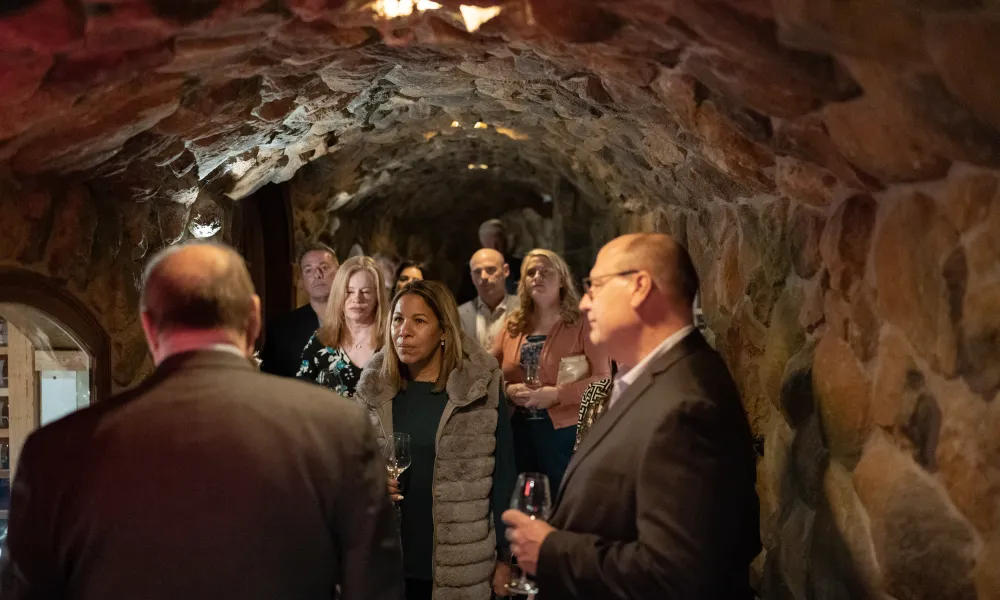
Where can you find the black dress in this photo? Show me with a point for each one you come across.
(329, 366)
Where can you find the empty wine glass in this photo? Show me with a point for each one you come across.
(399, 458)
(532, 497)
(533, 382)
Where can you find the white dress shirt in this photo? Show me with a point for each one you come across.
(483, 324)
(624, 379)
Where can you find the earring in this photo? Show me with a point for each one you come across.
(442, 343)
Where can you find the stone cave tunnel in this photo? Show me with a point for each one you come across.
(833, 167)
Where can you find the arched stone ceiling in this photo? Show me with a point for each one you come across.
(630, 99)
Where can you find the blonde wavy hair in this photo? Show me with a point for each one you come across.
(444, 307)
(519, 321)
(334, 326)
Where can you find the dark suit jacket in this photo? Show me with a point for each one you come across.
(286, 337)
(659, 502)
(209, 481)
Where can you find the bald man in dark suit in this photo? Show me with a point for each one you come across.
(210, 480)
(659, 501)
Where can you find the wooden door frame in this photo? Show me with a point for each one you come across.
(19, 286)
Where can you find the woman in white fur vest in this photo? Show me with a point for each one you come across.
(443, 389)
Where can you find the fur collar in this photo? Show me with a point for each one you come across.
(466, 384)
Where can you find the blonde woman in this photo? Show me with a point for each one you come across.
(546, 332)
(443, 389)
(352, 330)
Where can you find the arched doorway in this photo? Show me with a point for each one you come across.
(56, 358)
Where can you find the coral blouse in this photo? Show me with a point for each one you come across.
(561, 341)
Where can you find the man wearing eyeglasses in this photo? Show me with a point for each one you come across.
(660, 500)
(288, 335)
(484, 316)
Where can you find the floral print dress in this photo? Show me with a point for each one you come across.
(330, 367)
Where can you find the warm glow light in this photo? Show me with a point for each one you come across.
(391, 9)
(512, 134)
(456, 124)
(475, 16)
(471, 166)
(429, 135)
(484, 166)
(480, 125)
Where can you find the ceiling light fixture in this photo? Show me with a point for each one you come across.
(475, 16)
(480, 125)
(456, 124)
(392, 9)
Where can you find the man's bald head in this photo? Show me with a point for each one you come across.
(198, 286)
(489, 272)
(666, 261)
(487, 255)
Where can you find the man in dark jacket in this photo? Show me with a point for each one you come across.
(210, 480)
(660, 500)
(288, 335)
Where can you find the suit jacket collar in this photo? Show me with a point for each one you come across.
(201, 359)
(691, 343)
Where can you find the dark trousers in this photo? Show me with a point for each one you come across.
(540, 448)
(418, 589)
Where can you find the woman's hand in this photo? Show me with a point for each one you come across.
(394, 490)
(542, 398)
(501, 577)
(516, 393)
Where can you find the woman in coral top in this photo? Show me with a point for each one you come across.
(546, 332)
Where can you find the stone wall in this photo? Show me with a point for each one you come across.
(864, 336)
(87, 238)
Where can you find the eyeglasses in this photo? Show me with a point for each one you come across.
(589, 282)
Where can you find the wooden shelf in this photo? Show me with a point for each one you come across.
(4, 473)
(4, 392)
(4, 432)
(3, 350)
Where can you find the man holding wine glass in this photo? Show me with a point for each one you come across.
(660, 499)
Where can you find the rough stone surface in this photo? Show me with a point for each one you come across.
(916, 252)
(925, 548)
(842, 393)
(831, 166)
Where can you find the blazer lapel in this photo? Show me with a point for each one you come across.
(607, 422)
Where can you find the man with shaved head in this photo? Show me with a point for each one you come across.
(660, 499)
(208, 481)
(483, 317)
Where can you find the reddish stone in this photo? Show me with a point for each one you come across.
(971, 199)
(912, 247)
(804, 233)
(853, 27)
(965, 452)
(100, 123)
(122, 26)
(47, 27)
(314, 10)
(885, 142)
(72, 235)
(963, 47)
(846, 241)
(84, 70)
(842, 393)
(209, 53)
(21, 74)
(806, 182)
(807, 138)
